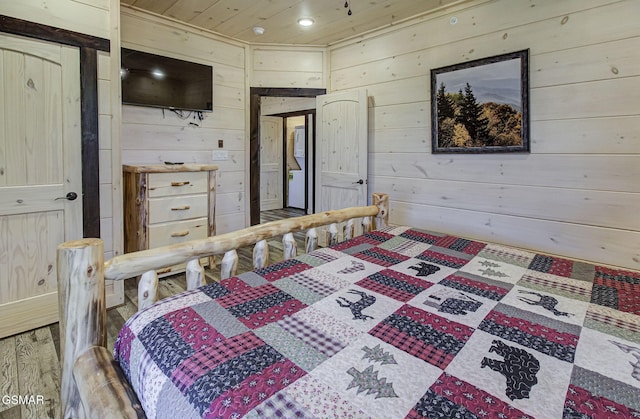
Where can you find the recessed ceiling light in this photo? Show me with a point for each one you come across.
(157, 73)
(305, 21)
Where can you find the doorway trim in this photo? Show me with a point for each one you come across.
(309, 114)
(256, 94)
(89, 46)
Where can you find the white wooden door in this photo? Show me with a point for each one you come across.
(271, 164)
(341, 147)
(40, 162)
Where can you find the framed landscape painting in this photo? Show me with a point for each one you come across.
(481, 106)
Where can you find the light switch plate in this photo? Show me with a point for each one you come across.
(219, 155)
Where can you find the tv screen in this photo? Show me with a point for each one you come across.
(154, 80)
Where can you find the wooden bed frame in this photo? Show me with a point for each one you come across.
(92, 383)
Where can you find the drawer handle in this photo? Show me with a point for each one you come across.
(186, 207)
(185, 183)
(180, 234)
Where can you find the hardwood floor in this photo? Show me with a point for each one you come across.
(29, 362)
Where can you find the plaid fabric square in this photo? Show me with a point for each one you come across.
(247, 294)
(412, 345)
(424, 335)
(476, 285)
(317, 258)
(617, 289)
(394, 284)
(450, 397)
(461, 245)
(381, 257)
(313, 284)
(421, 236)
(210, 357)
(552, 265)
(379, 236)
(311, 336)
(281, 405)
(404, 246)
(357, 241)
(265, 310)
(282, 269)
(433, 256)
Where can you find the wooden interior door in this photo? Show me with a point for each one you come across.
(40, 171)
(341, 147)
(341, 150)
(271, 164)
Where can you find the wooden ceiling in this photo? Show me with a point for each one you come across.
(237, 18)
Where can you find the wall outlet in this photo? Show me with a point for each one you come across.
(218, 155)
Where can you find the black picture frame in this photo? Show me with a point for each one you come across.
(481, 106)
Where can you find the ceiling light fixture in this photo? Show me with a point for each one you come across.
(258, 30)
(305, 21)
(347, 5)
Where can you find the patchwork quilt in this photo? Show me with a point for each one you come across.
(397, 323)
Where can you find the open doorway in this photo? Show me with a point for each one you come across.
(298, 170)
(256, 96)
(287, 160)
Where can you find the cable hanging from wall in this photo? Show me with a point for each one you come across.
(184, 115)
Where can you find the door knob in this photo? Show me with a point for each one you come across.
(71, 196)
(359, 182)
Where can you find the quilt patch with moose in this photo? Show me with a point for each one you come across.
(397, 323)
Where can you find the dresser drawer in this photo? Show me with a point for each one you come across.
(175, 208)
(177, 232)
(177, 183)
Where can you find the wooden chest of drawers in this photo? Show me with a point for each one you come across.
(168, 204)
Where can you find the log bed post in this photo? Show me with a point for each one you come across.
(333, 234)
(229, 266)
(99, 379)
(147, 289)
(289, 246)
(195, 274)
(311, 240)
(381, 200)
(367, 226)
(260, 254)
(349, 230)
(82, 309)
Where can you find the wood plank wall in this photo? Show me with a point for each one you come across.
(110, 202)
(288, 66)
(150, 135)
(89, 17)
(578, 192)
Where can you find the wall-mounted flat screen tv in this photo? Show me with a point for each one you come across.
(157, 81)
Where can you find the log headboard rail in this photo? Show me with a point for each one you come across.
(92, 384)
